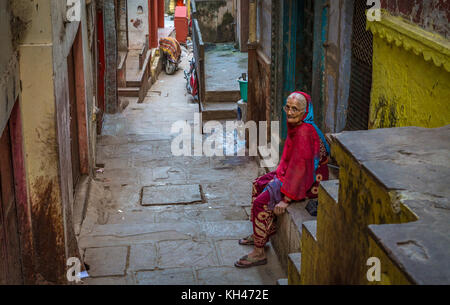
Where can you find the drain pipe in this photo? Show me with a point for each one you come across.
(252, 44)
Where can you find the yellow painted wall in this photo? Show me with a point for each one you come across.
(411, 76)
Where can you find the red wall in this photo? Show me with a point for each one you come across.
(432, 15)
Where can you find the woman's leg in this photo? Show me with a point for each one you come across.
(263, 228)
(262, 220)
(257, 188)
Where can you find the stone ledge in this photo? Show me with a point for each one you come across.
(408, 163)
(419, 249)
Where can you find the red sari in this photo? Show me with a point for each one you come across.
(296, 170)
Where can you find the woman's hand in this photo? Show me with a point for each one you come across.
(280, 208)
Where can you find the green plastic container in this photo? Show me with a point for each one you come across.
(243, 84)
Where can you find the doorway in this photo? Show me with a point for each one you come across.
(74, 138)
(10, 250)
(298, 40)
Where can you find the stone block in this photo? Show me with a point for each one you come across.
(186, 253)
(142, 257)
(175, 276)
(171, 194)
(107, 261)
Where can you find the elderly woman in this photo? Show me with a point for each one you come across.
(303, 165)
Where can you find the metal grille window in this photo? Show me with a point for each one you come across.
(306, 65)
(361, 70)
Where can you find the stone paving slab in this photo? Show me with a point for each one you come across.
(185, 253)
(171, 194)
(114, 281)
(232, 275)
(128, 230)
(176, 276)
(142, 257)
(109, 241)
(106, 261)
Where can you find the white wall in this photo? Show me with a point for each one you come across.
(137, 23)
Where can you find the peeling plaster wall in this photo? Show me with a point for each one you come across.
(216, 19)
(264, 26)
(9, 66)
(137, 23)
(43, 49)
(431, 15)
(409, 88)
(337, 65)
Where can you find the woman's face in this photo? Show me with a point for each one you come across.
(294, 111)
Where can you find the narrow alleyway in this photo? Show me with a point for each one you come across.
(125, 242)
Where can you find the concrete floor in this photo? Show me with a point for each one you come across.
(228, 63)
(127, 243)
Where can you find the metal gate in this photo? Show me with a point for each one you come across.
(361, 70)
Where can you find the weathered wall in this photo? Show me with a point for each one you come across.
(338, 65)
(9, 66)
(43, 48)
(242, 24)
(216, 18)
(122, 32)
(264, 26)
(137, 23)
(431, 15)
(411, 76)
(111, 56)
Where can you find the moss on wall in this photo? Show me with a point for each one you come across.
(216, 19)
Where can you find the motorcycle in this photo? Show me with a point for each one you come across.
(171, 53)
(169, 65)
(191, 79)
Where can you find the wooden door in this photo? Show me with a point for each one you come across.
(74, 143)
(10, 253)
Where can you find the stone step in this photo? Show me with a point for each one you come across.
(282, 282)
(133, 83)
(289, 231)
(327, 209)
(222, 96)
(294, 268)
(219, 111)
(310, 227)
(129, 91)
(310, 252)
(331, 187)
